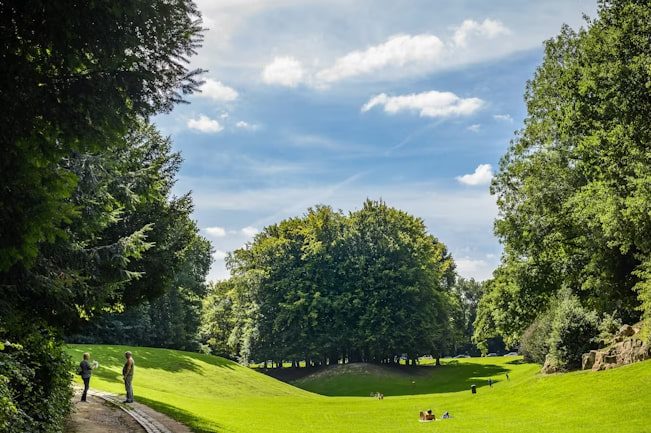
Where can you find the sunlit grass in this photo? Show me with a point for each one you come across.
(212, 394)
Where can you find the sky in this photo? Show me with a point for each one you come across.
(333, 102)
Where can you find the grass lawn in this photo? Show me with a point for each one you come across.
(211, 394)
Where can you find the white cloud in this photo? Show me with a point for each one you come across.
(224, 115)
(250, 231)
(205, 124)
(482, 176)
(283, 71)
(219, 255)
(217, 91)
(478, 269)
(488, 29)
(398, 51)
(474, 128)
(503, 117)
(246, 125)
(428, 104)
(218, 232)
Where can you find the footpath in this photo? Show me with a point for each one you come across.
(104, 412)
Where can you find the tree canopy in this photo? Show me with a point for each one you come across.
(372, 285)
(574, 189)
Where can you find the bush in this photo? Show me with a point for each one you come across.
(534, 343)
(35, 382)
(573, 332)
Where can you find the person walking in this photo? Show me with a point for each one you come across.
(127, 374)
(86, 371)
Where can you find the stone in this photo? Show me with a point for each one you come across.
(626, 331)
(587, 360)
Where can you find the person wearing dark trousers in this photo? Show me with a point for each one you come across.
(86, 371)
(127, 374)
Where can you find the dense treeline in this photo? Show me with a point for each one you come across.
(164, 301)
(87, 225)
(369, 286)
(574, 191)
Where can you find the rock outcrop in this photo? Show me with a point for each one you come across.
(626, 348)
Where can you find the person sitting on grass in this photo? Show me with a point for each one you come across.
(427, 416)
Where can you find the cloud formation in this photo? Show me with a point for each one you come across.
(218, 232)
(482, 176)
(480, 269)
(250, 231)
(503, 117)
(427, 104)
(474, 128)
(205, 124)
(283, 71)
(246, 125)
(219, 255)
(217, 91)
(398, 51)
(488, 29)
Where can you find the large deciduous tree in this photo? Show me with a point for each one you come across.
(574, 189)
(371, 286)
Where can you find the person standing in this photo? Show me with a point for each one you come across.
(85, 370)
(127, 374)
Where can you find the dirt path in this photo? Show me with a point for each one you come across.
(104, 412)
(99, 416)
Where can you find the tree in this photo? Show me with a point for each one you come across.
(328, 287)
(74, 79)
(573, 189)
(467, 293)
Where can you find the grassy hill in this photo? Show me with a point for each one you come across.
(211, 394)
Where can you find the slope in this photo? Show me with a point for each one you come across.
(212, 394)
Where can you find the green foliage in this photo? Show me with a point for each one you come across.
(368, 286)
(35, 380)
(608, 327)
(466, 296)
(573, 332)
(75, 78)
(534, 344)
(85, 221)
(573, 189)
(163, 299)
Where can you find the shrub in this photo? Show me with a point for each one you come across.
(534, 343)
(35, 381)
(573, 332)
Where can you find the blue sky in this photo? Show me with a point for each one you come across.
(332, 102)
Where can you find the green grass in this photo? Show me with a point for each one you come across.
(214, 395)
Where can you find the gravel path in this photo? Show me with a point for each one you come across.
(105, 412)
(99, 416)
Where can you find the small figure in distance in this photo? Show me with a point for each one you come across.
(490, 382)
(507, 377)
(380, 396)
(427, 416)
(127, 375)
(85, 370)
(446, 415)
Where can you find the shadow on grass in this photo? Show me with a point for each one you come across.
(112, 357)
(195, 423)
(396, 381)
